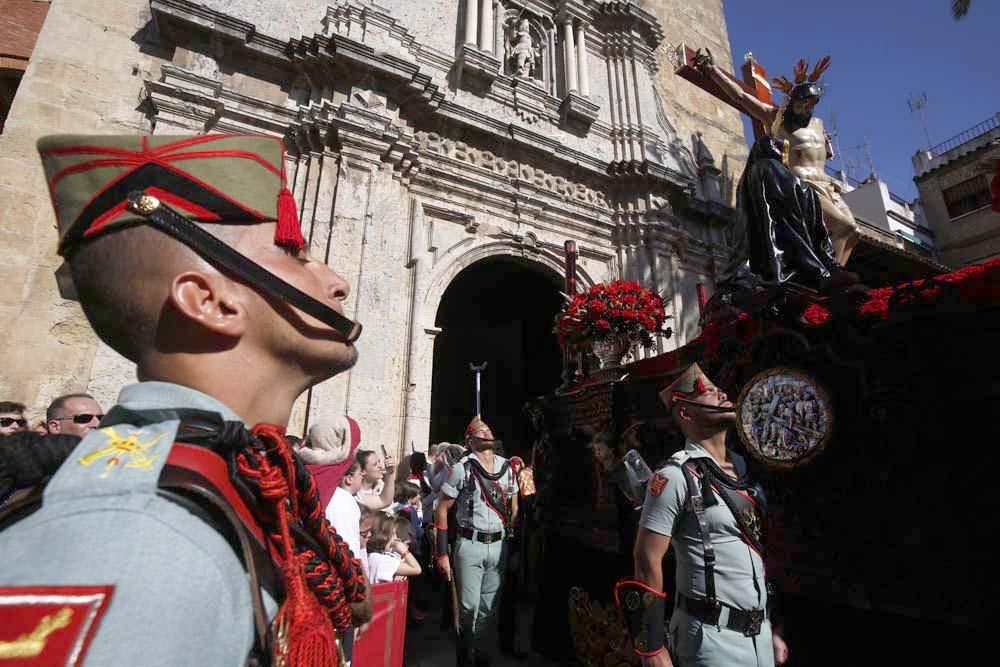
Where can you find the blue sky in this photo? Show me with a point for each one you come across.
(883, 51)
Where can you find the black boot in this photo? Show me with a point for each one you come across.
(464, 653)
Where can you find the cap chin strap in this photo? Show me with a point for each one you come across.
(236, 264)
(710, 408)
(483, 445)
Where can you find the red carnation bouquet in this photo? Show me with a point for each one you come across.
(621, 309)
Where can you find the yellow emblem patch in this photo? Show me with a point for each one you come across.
(31, 644)
(119, 449)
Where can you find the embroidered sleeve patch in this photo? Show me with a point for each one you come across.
(50, 625)
(125, 451)
(657, 483)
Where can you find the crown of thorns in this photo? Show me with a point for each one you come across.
(802, 74)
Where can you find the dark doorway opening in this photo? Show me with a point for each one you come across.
(499, 310)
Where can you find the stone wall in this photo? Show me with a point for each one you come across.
(409, 156)
(82, 77)
(698, 25)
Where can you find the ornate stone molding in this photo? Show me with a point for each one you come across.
(463, 255)
(433, 143)
(322, 60)
(580, 109)
(481, 65)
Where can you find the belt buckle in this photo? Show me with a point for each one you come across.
(753, 624)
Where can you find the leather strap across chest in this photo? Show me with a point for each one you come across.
(705, 481)
(490, 491)
(198, 477)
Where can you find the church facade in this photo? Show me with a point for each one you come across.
(422, 138)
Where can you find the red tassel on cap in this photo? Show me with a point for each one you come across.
(288, 233)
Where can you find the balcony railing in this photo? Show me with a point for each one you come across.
(986, 126)
(835, 173)
(899, 200)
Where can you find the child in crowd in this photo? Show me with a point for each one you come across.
(408, 505)
(388, 556)
(365, 529)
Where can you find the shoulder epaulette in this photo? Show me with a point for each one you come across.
(680, 458)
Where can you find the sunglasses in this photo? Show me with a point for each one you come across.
(81, 419)
(6, 422)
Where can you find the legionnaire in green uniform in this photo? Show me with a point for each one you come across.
(703, 504)
(483, 488)
(174, 533)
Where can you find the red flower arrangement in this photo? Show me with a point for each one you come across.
(622, 308)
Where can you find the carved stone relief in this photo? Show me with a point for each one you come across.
(432, 142)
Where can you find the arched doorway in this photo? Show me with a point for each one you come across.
(499, 310)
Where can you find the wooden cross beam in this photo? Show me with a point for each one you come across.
(754, 82)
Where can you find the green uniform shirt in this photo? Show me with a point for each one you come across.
(739, 572)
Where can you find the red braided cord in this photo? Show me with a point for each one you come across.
(337, 551)
(334, 577)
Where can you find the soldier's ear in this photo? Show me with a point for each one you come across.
(211, 301)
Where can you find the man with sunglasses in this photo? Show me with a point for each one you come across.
(12, 417)
(73, 414)
(483, 489)
(704, 505)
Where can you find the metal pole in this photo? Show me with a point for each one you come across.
(477, 371)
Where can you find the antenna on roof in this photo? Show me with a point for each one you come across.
(917, 102)
(835, 132)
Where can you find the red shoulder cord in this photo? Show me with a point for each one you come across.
(318, 587)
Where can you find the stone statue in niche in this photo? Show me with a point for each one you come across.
(522, 52)
(702, 156)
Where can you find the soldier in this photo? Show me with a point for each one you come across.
(485, 490)
(175, 533)
(703, 504)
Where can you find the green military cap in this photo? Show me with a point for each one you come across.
(691, 382)
(220, 178)
(103, 183)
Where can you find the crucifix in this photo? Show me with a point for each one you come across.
(797, 135)
(754, 82)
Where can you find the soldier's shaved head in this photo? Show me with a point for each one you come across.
(123, 279)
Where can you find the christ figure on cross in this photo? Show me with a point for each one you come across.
(804, 142)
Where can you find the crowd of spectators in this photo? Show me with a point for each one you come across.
(380, 512)
(67, 419)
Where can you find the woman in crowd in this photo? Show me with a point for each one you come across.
(378, 484)
(328, 451)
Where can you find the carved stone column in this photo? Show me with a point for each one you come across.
(569, 50)
(486, 27)
(581, 58)
(498, 36)
(471, 21)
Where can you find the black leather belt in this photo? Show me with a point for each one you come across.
(479, 536)
(744, 621)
